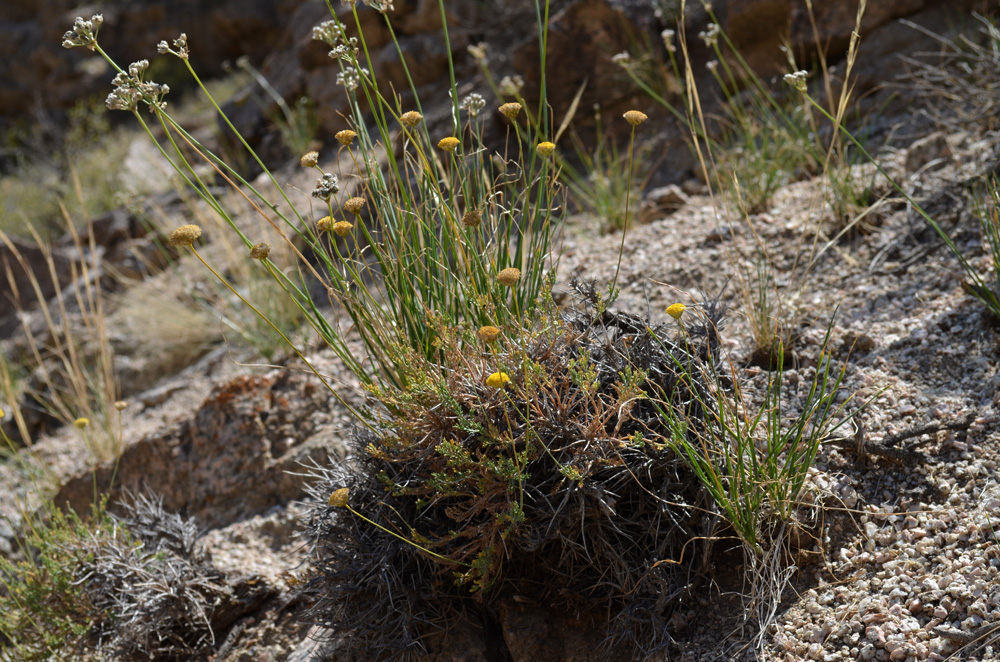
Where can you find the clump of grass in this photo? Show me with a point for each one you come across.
(71, 369)
(537, 461)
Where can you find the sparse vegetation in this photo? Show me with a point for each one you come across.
(574, 455)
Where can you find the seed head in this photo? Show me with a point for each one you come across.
(635, 117)
(498, 380)
(509, 276)
(510, 110)
(324, 224)
(488, 333)
(342, 228)
(120, 405)
(339, 497)
(546, 148)
(354, 205)
(449, 144)
(472, 218)
(675, 310)
(185, 235)
(345, 137)
(309, 160)
(81, 423)
(410, 118)
(260, 251)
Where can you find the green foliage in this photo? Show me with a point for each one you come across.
(753, 458)
(47, 611)
(560, 489)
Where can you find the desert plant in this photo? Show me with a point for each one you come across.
(129, 587)
(536, 461)
(440, 228)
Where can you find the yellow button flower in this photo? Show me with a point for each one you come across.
(449, 144)
(498, 380)
(635, 117)
(676, 310)
(546, 148)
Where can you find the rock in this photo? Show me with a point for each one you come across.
(226, 462)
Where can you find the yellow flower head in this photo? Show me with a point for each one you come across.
(510, 110)
(411, 118)
(339, 497)
(81, 423)
(509, 276)
(185, 235)
(472, 218)
(345, 137)
(342, 228)
(120, 405)
(498, 380)
(449, 144)
(488, 333)
(675, 310)
(546, 148)
(354, 205)
(635, 117)
(260, 251)
(309, 160)
(324, 224)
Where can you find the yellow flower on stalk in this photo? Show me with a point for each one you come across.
(546, 148)
(675, 310)
(324, 224)
(509, 276)
(342, 228)
(345, 137)
(309, 159)
(635, 117)
(449, 144)
(410, 118)
(354, 205)
(488, 333)
(339, 497)
(185, 235)
(81, 423)
(120, 405)
(498, 380)
(510, 110)
(260, 251)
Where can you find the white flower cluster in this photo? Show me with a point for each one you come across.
(350, 77)
(710, 36)
(473, 103)
(130, 89)
(332, 33)
(180, 48)
(797, 80)
(84, 33)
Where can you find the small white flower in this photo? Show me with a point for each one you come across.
(797, 80)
